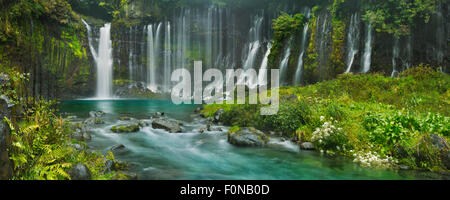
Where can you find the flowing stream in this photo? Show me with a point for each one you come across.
(157, 154)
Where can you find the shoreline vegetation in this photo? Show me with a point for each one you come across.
(375, 120)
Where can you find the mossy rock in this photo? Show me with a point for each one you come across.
(126, 128)
(247, 137)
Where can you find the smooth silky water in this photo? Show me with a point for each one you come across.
(156, 154)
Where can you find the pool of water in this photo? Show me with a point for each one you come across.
(157, 154)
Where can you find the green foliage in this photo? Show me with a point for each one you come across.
(285, 27)
(12, 85)
(392, 16)
(117, 8)
(290, 117)
(389, 130)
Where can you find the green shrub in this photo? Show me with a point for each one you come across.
(289, 118)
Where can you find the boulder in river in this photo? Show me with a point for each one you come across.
(126, 128)
(93, 121)
(96, 113)
(81, 132)
(117, 147)
(167, 125)
(80, 172)
(307, 146)
(247, 137)
(218, 115)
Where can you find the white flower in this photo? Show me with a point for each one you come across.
(322, 118)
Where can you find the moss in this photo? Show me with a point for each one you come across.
(129, 128)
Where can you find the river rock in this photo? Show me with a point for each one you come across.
(77, 147)
(218, 115)
(248, 137)
(126, 128)
(81, 132)
(96, 114)
(157, 115)
(167, 125)
(144, 123)
(93, 121)
(210, 128)
(125, 118)
(117, 147)
(307, 146)
(125, 176)
(80, 172)
(438, 141)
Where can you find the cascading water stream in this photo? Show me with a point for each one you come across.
(103, 60)
(366, 60)
(262, 79)
(395, 55)
(284, 64)
(151, 72)
(352, 41)
(255, 43)
(167, 58)
(299, 71)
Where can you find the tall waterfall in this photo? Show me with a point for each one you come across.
(284, 65)
(151, 72)
(298, 73)
(441, 40)
(103, 60)
(167, 57)
(395, 55)
(255, 43)
(262, 79)
(366, 60)
(352, 41)
(409, 53)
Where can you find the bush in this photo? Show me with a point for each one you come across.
(390, 130)
(289, 118)
(330, 137)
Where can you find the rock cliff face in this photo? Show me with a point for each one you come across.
(153, 40)
(5, 166)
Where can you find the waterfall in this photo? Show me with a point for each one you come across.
(299, 71)
(441, 40)
(284, 64)
(352, 41)
(130, 54)
(157, 50)
(367, 50)
(103, 60)
(151, 72)
(395, 55)
(167, 58)
(255, 43)
(408, 57)
(91, 46)
(262, 80)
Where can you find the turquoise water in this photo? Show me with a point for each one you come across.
(157, 154)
